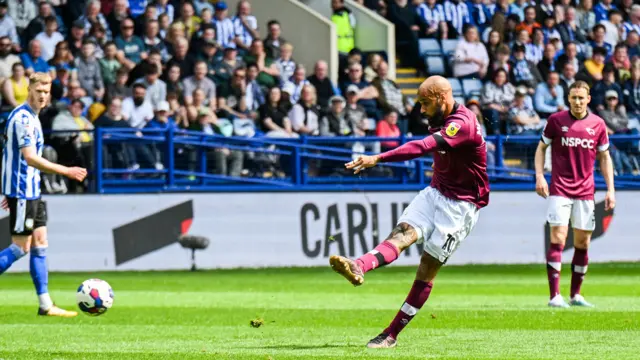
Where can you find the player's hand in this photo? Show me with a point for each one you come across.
(76, 173)
(4, 204)
(609, 201)
(362, 162)
(542, 188)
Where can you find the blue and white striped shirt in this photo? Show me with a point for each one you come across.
(431, 16)
(457, 14)
(22, 129)
(242, 32)
(225, 32)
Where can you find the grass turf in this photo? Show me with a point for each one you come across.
(475, 312)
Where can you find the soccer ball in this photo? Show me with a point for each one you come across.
(94, 297)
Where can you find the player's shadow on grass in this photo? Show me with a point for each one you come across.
(302, 347)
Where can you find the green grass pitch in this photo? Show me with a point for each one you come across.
(475, 312)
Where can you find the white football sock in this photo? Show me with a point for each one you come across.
(45, 301)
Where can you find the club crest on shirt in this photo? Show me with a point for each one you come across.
(590, 131)
(29, 224)
(452, 129)
(565, 129)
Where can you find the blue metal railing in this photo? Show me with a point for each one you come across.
(302, 155)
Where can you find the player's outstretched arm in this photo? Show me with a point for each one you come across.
(408, 151)
(542, 188)
(42, 164)
(606, 167)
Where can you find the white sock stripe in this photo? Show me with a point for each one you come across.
(408, 309)
(555, 265)
(580, 269)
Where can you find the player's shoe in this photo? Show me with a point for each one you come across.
(558, 302)
(578, 300)
(347, 268)
(56, 311)
(382, 341)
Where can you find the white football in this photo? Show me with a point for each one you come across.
(94, 297)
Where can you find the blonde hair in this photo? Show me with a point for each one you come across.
(40, 78)
(579, 84)
(286, 46)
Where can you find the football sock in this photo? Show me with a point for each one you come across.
(578, 270)
(383, 254)
(40, 275)
(417, 297)
(9, 255)
(554, 264)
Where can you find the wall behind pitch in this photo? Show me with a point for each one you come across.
(139, 232)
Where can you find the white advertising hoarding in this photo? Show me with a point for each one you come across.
(139, 232)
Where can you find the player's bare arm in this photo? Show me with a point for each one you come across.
(542, 188)
(42, 164)
(606, 167)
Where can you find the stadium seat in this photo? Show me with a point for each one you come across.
(428, 47)
(456, 87)
(471, 87)
(449, 46)
(435, 65)
(459, 100)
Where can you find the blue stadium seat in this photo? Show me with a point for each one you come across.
(435, 65)
(429, 47)
(456, 87)
(449, 46)
(472, 87)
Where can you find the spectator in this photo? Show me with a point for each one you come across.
(246, 26)
(496, 98)
(518, 7)
(211, 56)
(367, 95)
(355, 113)
(152, 41)
(389, 94)
(49, 38)
(132, 47)
(163, 7)
(273, 41)
(109, 65)
(136, 110)
(621, 63)
(388, 127)
(570, 55)
(8, 26)
(494, 42)
(122, 154)
(550, 32)
(286, 66)
(535, 49)
(7, 59)
(32, 60)
(98, 35)
(163, 24)
(305, 114)
(140, 23)
(599, 32)
(471, 58)
(523, 119)
(547, 64)
(567, 78)
(254, 97)
(602, 9)
(136, 7)
(89, 71)
(76, 38)
(458, 16)
(633, 23)
(230, 62)
(196, 108)
(199, 80)
(601, 87)
(631, 90)
(225, 30)
(617, 122)
(595, 65)
(15, 89)
(335, 123)
(22, 12)
(117, 16)
(321, 82)
(272, 118)
(529, 23)
(232, 92)
(371, 70)
(93, 16)
(408, 24)
(345, 24)
(172, 79)
(524, 72)
(500, 61)
(613, 27)
(188, 18)
(633, 45)
(474, 106)
(298, 81)
(182, 58)
(549, 97)
(156, 89)
(569, 29)
(585, 17)
(268, 70)
(544, 9)
(432, 15)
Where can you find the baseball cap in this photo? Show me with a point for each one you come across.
(611, 94)
(353, 89)
(220, 5)
(337, 98)
(78, 24)
(163, 106)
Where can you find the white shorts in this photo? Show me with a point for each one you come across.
(580, 212)
(441, 223)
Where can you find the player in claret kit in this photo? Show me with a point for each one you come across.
(577, 137)
(443, 214)
(22, 162)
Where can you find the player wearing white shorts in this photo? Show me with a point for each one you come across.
(22, 162)
(443, 214)
(577, 137)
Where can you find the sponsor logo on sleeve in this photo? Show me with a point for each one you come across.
(452, 129)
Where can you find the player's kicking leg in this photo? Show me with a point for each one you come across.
(401, 237)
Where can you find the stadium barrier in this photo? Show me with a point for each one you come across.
(140, 232)
(298, 158)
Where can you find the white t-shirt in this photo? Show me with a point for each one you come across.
(48, 44)
(137, 116)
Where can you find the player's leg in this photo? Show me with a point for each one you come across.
(20, 234)
(558, 214)
(405, 234)
(453, 221)
(583, 220)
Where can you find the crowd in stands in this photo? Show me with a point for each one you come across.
(201, 66)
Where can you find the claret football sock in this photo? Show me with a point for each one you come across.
(40, 275)
(578, 270)
(417, 297)
(9, 255)
(554, 264)
(383, 254)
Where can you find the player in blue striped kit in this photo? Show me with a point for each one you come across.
(22, 162)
